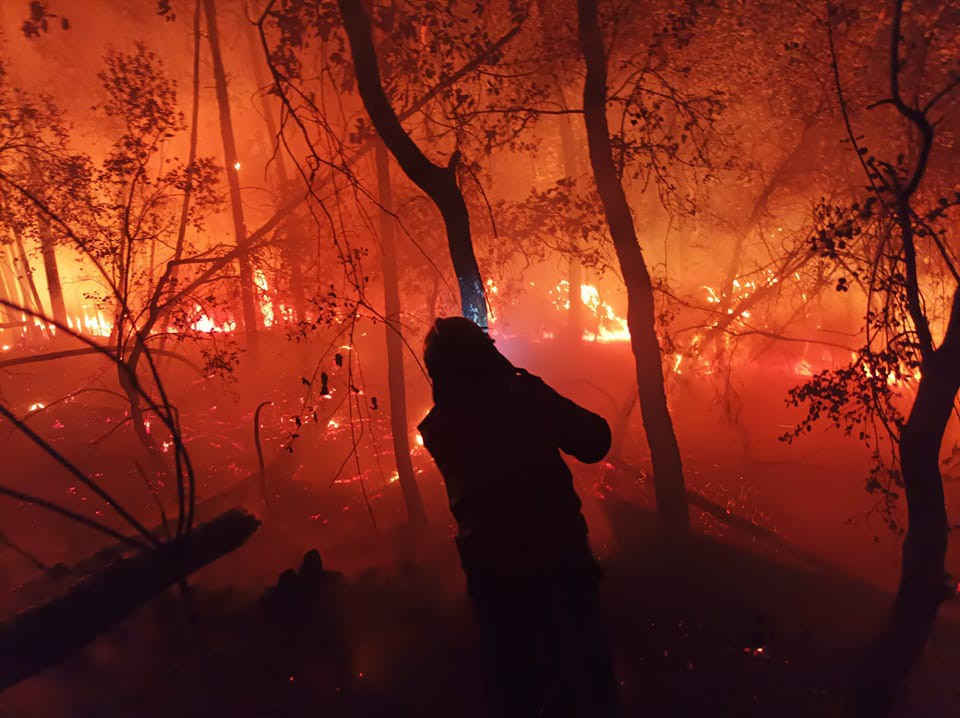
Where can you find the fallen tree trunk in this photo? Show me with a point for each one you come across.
(39, 637)
(736, 521)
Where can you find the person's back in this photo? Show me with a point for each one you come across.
(509, 489)
(496, 433)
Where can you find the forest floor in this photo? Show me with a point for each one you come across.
(730, 626)
(724, 628)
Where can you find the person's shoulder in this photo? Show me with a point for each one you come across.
(532, 391)
(428, 421)
(530, 382)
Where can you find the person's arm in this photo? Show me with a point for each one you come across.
(577, 431)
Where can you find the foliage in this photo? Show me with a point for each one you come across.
(891, 240)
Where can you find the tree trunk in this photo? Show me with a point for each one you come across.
(26, 278)
(292, 249)
(251, 322)
(18, 296)
(574, 270)
(665, 452)
(294, 201)
(394, 331)
(157, 307)
(923, 580)
(43, 635)
(10, 294)
(439, 183)
(52, 272)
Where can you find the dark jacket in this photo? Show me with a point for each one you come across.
(510, 491)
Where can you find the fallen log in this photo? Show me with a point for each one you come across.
(41, 636)
(742, 523)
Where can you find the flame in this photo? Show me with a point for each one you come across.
(266, 305)
(611, 327)
(207, 325)
(88, 322)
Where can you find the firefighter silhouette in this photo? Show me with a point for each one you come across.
(496, 433)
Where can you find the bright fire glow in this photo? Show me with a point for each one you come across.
(206, 324)
(89, 323)
(266, 306)
(610, 326)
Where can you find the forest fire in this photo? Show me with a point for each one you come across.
(263, 457)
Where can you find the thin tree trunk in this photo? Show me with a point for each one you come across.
(11, 295)
(292, 248)
(433, 295)
(923, 580)
(251, 322)
(27, 279)
(439, 183)
(394, 331)
(664, 450)
(574, 269)
(16, 294)
(8, 319)
(293, 202)
(157, 307)
(52, 272)
(571, 170)
(923, 586)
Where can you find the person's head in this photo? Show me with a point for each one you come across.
(461, 358)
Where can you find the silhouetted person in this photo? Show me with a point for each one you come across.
(496, 433)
